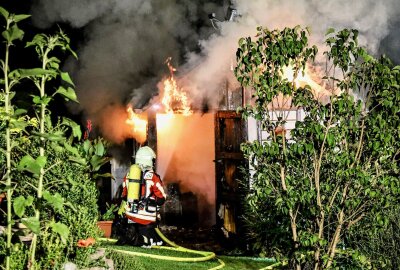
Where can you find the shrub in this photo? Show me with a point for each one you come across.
(340, 165)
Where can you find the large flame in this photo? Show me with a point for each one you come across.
(174, 101)
(138, 125)
(174, 98)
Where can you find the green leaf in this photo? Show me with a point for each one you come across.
(66, 78)
(331, 139)
(329, 31)
(68, 93)
(41, 161)
(29, 201)
(19, 112)
(19, 206)
(71, 149)
(25, 162)
(56, 147)
(56, 200)
(4, 13)
(76, 129)
(99, 149)
(13, 33)
(86, 146)
(30, 73)
(38, 40)
(62, 230)
(78, 160)
(18, 124)
(32, 223)
(20, 17)
(20, 203)
(97, 162)
(103, 175)
(55, 136)
(29, 164)
(54, 62)
(41, 100)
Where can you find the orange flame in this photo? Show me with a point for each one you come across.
(138, 124)
(174, 98)
(174, 101)
(301, 79)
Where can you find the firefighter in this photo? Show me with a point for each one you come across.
(144, 194)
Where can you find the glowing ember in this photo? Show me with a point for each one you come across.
(139, 125)
(174, 99)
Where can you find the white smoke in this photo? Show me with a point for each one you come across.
(372, 18)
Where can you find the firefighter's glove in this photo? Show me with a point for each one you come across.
(151, 205)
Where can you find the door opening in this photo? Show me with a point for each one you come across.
(185, 162)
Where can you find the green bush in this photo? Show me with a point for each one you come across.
(338, 169)
(48, 172)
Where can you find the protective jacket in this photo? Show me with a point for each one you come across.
(152, 196)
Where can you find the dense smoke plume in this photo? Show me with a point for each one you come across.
(124, 49)
(126, 42)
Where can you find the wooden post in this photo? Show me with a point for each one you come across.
(152, 130)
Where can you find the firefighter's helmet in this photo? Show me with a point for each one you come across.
(144, 156)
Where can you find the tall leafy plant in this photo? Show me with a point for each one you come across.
(53, 193)
(10, 115)
(338, 166)
(49, 70)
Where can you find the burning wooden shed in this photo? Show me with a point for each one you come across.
(198, 158)
(198, 155)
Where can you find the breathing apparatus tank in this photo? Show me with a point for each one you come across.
(134, 186)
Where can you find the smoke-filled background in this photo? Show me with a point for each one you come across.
(125, 44)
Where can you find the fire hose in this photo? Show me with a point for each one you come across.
(205, 255)
(134, 195)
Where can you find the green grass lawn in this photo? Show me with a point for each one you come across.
(127, 262)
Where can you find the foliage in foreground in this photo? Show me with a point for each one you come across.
(338, 168)
(47, 171)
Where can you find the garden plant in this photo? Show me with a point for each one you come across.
(47, 168)
(329, 182)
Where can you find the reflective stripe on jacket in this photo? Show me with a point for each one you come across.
(152, 189)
